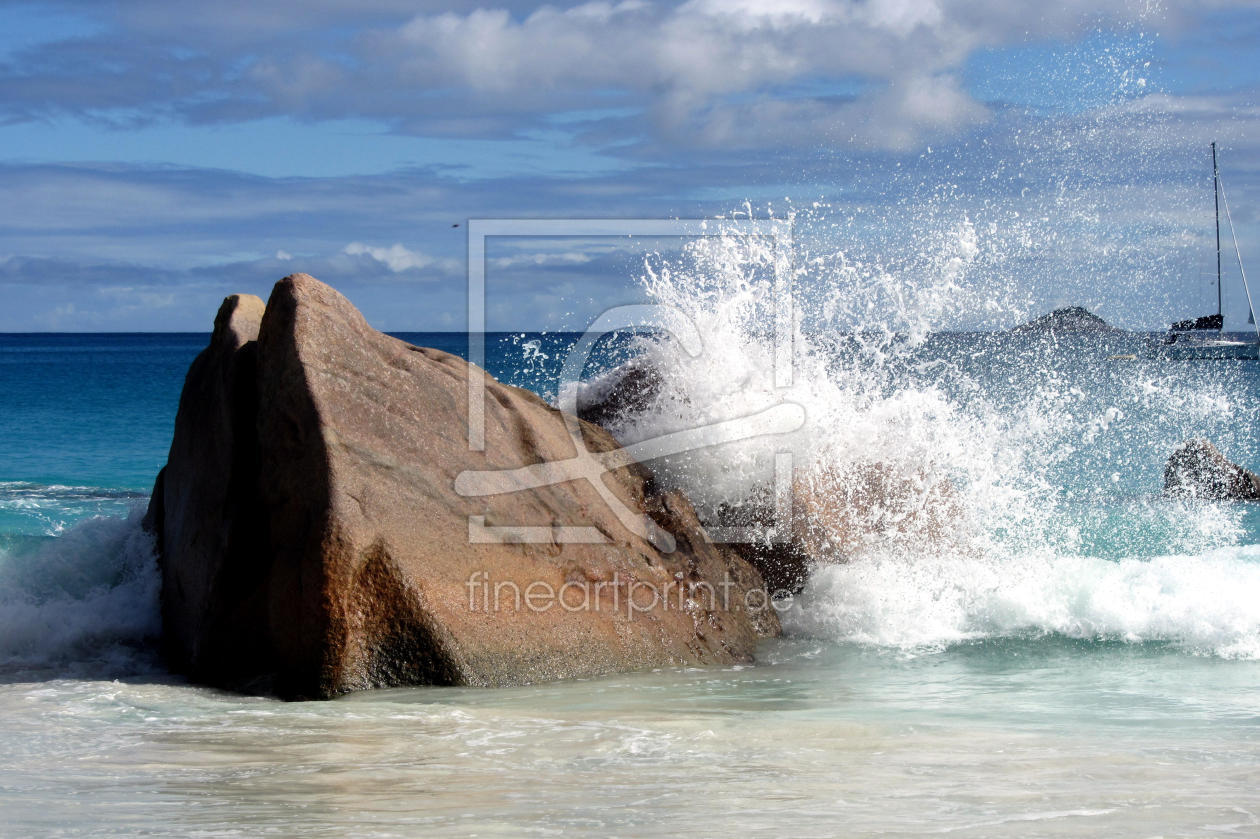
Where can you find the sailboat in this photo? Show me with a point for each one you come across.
(1204, 337)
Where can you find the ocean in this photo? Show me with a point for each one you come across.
(1079, 657)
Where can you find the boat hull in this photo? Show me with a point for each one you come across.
(1190, 349)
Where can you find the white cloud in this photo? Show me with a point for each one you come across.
(697, 66)
(541, 260)
(396, 257)
(697, 70)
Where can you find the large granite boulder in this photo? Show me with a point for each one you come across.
(313, 542)
(1197, 469)
(204, 510)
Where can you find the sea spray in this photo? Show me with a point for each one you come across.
(1204, 604)
(864, 415)
(83, 603)
(1051, 453)
(29, 509)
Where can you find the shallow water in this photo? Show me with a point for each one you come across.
(1095, 670)
(1043, 738)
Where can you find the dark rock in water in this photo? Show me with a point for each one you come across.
(626, 392)
(1197, 469)
(1074, 319)
(621, 393)
(841, 512)
(312, 541)
(783, 563)
(837, 511)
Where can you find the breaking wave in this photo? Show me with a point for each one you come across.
(83, 603)
(949, 486)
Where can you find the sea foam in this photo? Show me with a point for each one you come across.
(1056, 524)
(1204, 604)
(82, 603)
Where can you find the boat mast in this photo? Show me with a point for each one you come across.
(1242, 272)
(1216, 198)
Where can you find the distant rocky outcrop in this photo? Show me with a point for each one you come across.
(1197, 469)
(312, 541)
(1073, 319)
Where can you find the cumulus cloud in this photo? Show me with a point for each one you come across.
(692, 67)
(700, 71)
(697, 106)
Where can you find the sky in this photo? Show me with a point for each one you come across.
(156, 156)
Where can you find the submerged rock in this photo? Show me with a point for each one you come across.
(1197, 469)
(842, 512)
(312, 541)
(839, 512)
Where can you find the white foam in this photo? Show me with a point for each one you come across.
(1207, 604)
(858, 409)
(1018, 555)
(86, 600)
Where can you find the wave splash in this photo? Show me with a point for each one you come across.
(1048, 461)
(84, 603)
(1203, 604)
(971, 486)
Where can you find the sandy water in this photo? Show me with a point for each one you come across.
(1100, 679)
(995, 739)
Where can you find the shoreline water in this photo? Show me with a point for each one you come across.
(1071, 698)
(1027, 737)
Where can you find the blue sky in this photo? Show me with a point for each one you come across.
(156, 156)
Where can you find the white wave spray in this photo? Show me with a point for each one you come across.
(977, 489)
(84, 603)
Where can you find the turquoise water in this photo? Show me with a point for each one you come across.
(1095, 672)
